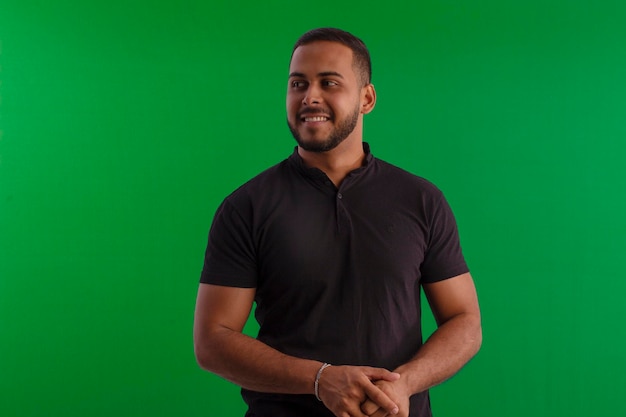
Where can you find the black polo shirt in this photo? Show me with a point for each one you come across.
(337, 271)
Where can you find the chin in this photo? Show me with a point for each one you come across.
(319, 145)
(313, 145)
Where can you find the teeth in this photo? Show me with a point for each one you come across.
(315, 119)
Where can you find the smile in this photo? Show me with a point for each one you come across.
(315, 119)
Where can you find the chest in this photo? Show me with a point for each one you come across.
(341, 238)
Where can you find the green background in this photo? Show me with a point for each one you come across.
(124, 124)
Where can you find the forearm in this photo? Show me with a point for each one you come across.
(222, 348)
(254, 365)
(448, 349)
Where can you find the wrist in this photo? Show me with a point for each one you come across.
(410, 379)
(316, 384)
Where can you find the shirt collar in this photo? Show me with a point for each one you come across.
(317, 173)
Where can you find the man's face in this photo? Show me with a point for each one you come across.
(323, 96)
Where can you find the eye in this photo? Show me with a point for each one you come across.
(329, 83)
(298, 84)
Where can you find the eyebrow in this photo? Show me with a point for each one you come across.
(321, 74)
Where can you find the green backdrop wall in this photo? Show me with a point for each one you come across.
(123, 124)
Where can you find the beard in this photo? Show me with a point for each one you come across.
(336, 136)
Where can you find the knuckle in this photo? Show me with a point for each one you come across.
(344, 403)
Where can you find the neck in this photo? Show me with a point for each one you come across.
(338, 162)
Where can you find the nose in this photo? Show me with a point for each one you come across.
(312, 96)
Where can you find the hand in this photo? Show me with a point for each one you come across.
(396, 391)
(343, 389)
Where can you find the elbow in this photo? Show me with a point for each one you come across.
(213, 348)
(204, 353)
(470, 333)
(202, 357)
(477, 337)
(207, 359)
(478, 342)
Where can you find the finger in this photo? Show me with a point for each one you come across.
(375, 374)
(376, 395)
(369, 407)
(354, 412)
(379, 413)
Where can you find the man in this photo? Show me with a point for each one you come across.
(334, 245)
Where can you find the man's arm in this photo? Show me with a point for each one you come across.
(457, 339)
(222, 348)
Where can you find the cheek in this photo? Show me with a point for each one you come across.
(292, 107)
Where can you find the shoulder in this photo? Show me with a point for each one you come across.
(262, 192)
(404, 181)
(261, 185)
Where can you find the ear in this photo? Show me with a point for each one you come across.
(368, 98)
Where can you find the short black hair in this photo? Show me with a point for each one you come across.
(360, 55)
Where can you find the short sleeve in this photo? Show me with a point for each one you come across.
(443, 258)
(230, 256)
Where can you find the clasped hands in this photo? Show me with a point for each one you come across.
(361, 391)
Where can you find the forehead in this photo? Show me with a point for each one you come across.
(322, 56)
